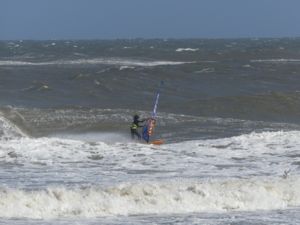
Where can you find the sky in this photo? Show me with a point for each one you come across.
(113, 19)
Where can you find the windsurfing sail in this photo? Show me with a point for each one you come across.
(148, 129)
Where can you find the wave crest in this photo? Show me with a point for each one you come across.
(152, 198)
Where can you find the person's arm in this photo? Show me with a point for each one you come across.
(141, 121)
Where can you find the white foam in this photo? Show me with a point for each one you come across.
(206, 70)
(126, 67)
(254, 144)
(187, 49)
(48, 151)
(275, 60)
(152, 198)
(241, 156)
(249, 144)
(95, 61)
(260, 153)
(106, 137)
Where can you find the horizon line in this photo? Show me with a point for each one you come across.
(152, 38)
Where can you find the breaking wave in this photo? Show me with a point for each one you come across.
(8, 130)
(152, 198)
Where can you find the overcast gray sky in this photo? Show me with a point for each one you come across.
(105, 19)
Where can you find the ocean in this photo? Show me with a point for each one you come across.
(229, 114)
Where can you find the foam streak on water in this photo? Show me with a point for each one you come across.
(104, 61)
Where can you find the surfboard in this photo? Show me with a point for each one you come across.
(157, 142)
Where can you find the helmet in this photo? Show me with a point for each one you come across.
(136, 117)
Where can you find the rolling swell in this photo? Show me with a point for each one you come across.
(172, 127)
(273, 106)
(241, 79)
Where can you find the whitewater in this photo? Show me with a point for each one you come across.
(74, 177)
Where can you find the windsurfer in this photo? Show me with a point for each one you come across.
(134, 127)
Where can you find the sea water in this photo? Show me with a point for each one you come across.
(228, 113)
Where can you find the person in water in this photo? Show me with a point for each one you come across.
(134, 127)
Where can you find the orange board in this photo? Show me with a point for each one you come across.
(156, 142)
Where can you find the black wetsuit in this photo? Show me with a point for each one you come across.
(134, 128)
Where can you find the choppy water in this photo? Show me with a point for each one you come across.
(229, 114)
